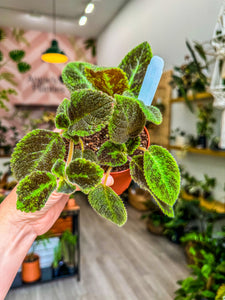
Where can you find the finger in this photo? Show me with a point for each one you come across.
(109, 181)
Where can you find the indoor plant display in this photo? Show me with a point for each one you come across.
(103, 101)
(68, 243)
(207, 185)
(191, 75)
(31, 265)
(204, 124)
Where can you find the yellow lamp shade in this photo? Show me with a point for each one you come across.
(54, 55)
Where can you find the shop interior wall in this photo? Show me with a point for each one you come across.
(166, 24)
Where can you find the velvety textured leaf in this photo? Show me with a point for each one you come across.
(110, 81)
(90, 155)
(74, 138)
(16, 55)
(152, 113)
(87, 154)
(127, 120)
(23, 67)
(62, 120)
(162, 174)
(59, 167)
(135, 64)
(38, 150)
(65, 187)
(89, 112)
(137, 174)
(112, 155)
(34, 190)
(84, 173)
(108, 204)
(133, 144)
(73, 76)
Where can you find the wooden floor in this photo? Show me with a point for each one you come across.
(125, 263)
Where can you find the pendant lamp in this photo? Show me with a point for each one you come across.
(54, 54)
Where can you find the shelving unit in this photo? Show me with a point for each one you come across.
(198, 151)
(209, 205)
(197, 97)
(74, 212)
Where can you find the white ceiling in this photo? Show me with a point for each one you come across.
(37, 15)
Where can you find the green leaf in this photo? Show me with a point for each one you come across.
(220, 293)
(132, 144)
(34, 190)
(16, 55)
(1, 56)
(85, 174)
(152, 113)
(137, 174)
(59, 167)
(73, 76)
(89, 111)
(127, 120)
(108, 204)
(74, 138)
(162, 174)
(135, 64)
(38, 150)
(208, 294)
(110, 81)
(112, 155)
(65, 187)
(23, 67)
(88, 154)
(62, 120)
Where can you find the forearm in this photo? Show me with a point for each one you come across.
(15, 241)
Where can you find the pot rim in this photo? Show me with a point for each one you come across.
(120, 172)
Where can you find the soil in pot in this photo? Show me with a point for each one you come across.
(121, 174)
(31, 268)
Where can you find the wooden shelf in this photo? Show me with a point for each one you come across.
(32, 107)
(197, 97)
(214, 205)
(198, 151)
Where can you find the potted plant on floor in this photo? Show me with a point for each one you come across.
(101, 129)
(31, 265)
(68, 244)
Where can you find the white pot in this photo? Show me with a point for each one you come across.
(180, 141)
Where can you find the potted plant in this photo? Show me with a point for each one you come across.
(204, 124)
(207, 185)
(57, 260)
(31, 265)
(190, 76)
(138, 197)
(101, 130)
(191, 186)
(68, 243)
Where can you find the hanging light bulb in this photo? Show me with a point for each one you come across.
(54, 54)
(83, 20)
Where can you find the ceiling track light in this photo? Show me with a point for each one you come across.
(83, 20)
(54, 54)
(89, 8)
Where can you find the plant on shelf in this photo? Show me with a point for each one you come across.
(68, 243)
(31, 264)
(8, 139)
(191, 185)
(103, 107)
(191, 75)
(178, 137)
(15, 56)
(207, 185)
(57, 261)
(204, 124)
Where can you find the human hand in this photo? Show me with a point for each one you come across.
(40, 221)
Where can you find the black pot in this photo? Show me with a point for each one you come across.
(202, 142)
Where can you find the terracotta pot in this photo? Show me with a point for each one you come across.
(31, 270)
(123, 179)
(138, 198)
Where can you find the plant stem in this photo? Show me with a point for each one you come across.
(142, 149)
(82, 145)
(107, 174)
(70, 154)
